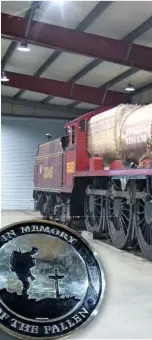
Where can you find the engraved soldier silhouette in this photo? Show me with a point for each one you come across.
(21, 264)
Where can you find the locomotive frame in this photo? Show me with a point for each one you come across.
(113, 199)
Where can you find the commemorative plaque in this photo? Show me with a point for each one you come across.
(51, 282)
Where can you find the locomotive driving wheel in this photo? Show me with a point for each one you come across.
(64, 219)
(47, 207)
(94, 212)
(144, 227)
(62, 214)
(119, 214)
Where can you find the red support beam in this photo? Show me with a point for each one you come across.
(69, 40)
(65, 90)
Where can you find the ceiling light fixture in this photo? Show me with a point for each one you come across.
(129, 88)
(4, 76)
(23, 47)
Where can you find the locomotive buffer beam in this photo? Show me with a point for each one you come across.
(113, 193)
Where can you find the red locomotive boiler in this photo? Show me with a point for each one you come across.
(101, 170)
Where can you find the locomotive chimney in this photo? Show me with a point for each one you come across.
(49, 136)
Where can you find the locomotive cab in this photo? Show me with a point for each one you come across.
(77, 142)
(77, 157)
(65, 141)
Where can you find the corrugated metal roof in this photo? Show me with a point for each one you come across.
(17, 8)
(28, 62)
(8, 91)
(138, 80)
(121, 18)
(5, 43)
(118, 20)
(65, 66)
(102, 73)
(146, 38)
(66, 14)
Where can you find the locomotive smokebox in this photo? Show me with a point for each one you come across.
(121, 133)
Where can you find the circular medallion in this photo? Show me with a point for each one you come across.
(51, 282)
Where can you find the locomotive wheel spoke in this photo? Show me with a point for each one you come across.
(144, 227)
(119, 219)
(47, 211)
(62, 215)
(94, 213)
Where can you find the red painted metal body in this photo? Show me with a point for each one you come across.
(57, 165)
(112, 196)
(95, 163)
(49, 166)
(65, 39)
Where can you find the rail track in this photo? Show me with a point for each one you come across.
(106, 240)
(79, 227)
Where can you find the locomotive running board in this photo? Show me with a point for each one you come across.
(129, 173)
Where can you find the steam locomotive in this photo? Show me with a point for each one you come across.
(101, 172)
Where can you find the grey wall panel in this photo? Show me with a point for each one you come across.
(144, 97)
(19, 139)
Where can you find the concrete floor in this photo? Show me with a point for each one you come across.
(127, 309)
